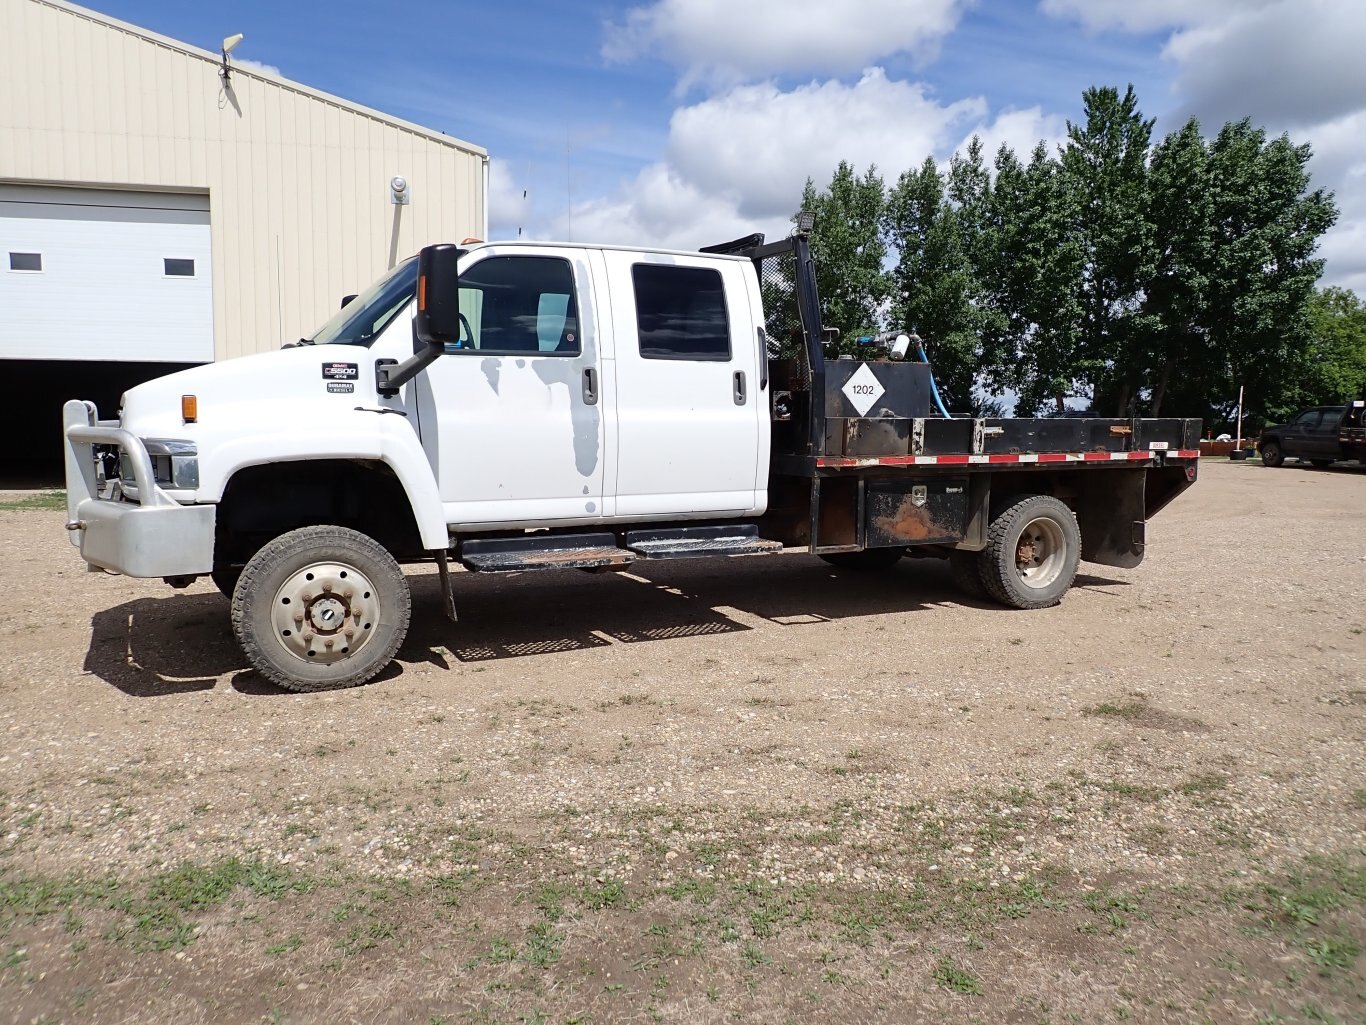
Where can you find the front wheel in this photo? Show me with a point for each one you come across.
(1033, 548)
(321, 608)
(1272, 454)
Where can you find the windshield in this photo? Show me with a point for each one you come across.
(365, 316)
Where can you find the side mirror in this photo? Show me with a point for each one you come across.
(438, 295)
(346, 300)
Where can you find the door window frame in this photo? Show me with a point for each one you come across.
(571, 322)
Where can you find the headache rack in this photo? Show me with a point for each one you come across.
(833, 416)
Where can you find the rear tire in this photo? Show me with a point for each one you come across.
(1272, 454)
(966, 569)
(870, 560)
(1033, 548)
(321, 608)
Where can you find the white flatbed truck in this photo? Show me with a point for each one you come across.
(523, 406)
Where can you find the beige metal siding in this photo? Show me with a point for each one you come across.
(297, 181)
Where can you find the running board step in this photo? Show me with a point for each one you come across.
(700, 542)
(544, 551)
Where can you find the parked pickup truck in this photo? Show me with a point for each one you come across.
(1318, 436)
(520, 406)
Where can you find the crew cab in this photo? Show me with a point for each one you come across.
(522, 406)
(1318, 437)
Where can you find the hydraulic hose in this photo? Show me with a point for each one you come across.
(934, 388)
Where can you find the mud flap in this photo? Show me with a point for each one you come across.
(1112, 518)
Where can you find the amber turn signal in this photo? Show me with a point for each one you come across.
(422, 292)
(189, 408)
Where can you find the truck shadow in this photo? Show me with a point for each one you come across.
(155, 647)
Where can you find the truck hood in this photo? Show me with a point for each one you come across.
(250, 386)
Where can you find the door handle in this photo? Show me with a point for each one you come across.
(590, 387)
(739, 387)
(763, 357)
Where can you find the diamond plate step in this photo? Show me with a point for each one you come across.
(556, 551)
(700, 542)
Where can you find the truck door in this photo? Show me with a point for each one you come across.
(1323, 443)
(691, 422)
(1299, 434)
(511, 417)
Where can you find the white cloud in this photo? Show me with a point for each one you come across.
(1290, 65)
(247, 64)
(1021, 130)
(1146, 15)
(758, 144)
(737, 40)
(736, 163)
(509, 208)
(1287, 64)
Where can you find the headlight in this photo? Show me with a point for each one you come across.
(174, 463)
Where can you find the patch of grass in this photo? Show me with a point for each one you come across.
(952, 976)
(1332, 952)
(286, 947)
(1132, 709)
(753, 956)
(45, 501)
(1205, 783)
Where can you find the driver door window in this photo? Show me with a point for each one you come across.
(518, 305)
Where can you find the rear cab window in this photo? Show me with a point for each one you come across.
(681, 313)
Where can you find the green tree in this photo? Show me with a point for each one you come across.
(1036, 261)
(1265, 226)
(1105, 166)
(1178, 341)
(934, 287)
(1337, 350)
(849, 251)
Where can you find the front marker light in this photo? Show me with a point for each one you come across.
(189, 408)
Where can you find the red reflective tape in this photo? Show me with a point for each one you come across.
(1003, 459)
(953, 460)
(1094, 457)
(1052, 457)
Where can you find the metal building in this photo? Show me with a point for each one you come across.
(154, 213)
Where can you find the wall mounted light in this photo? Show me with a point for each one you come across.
(399, 192)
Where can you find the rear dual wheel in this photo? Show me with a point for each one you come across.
(1031, 557)
(321, 608)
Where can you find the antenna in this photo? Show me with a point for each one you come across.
(568, 189)
(229, 44)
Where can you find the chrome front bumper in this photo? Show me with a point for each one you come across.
(154, 536)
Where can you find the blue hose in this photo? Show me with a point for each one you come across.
(934, 388)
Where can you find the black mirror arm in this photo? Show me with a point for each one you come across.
(391, 376)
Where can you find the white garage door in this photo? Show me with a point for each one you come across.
(89, 274)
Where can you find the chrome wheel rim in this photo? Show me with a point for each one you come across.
(325, 612)
(1040, 553)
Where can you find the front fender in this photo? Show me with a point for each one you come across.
(363, 434)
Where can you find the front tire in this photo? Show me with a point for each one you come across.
(1272, 454)
(321, 608)
(1033, 548)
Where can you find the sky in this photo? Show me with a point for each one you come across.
(680, 123)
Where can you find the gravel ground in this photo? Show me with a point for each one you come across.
(1182, 728)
